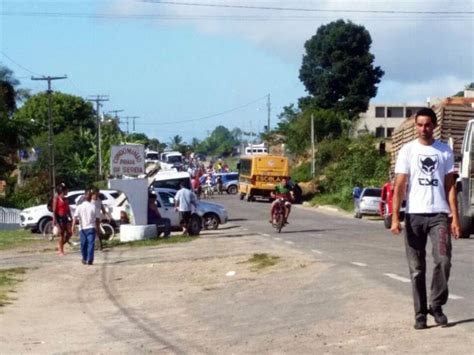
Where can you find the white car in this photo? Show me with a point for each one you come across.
(36, 218)
(367, 203)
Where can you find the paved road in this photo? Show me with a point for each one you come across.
(364, 244)
(340, 287)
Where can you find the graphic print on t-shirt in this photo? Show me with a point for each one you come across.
(428, 165)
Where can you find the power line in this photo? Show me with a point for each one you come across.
(299, 9)
(18, 64)
(208, 116)
(393, 16)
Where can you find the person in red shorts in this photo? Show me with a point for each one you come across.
(62, 216)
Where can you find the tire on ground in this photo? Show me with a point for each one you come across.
(195, 225)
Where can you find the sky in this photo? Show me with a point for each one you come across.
(184, 67)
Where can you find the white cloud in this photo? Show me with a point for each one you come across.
(419, 51)
(419, 92)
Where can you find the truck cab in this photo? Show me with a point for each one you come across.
(465, 182)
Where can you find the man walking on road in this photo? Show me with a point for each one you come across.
(185, 200)
(89, 219)
(426, 166)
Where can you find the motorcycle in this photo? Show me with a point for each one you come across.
(278, 216)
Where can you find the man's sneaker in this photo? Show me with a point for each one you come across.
(438, 315)
(420, 322)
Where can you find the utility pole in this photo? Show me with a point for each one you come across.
(133, 122)
(312, 147)
(52, 175)
(268, 110)
(98, 99)
(115, 113)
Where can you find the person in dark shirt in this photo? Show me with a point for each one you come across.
(154, 216)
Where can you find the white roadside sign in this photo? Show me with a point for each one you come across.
(127, 159)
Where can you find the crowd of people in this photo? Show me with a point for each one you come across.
(205, 177)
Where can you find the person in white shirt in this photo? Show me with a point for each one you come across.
(425, 173)
(88, 217)
(185, 200)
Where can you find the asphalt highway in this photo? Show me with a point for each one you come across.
(364, 244)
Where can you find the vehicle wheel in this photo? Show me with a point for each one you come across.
(42, 223)
(107, 232)
(48, 231)
(465, 221)
(232, 190)
(278, 219)
(387, 221)
(210, 221)
(242, 196)
(195, 225)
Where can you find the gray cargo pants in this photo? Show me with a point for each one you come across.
(417, 229)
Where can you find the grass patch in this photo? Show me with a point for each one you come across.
(263, 260)
(16, 238)
(8, 279)
(148, 242)
(333, 200)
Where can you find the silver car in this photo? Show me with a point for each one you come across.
(212, 214)
(368, 202)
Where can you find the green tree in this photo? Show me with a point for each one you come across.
(67, 111)
(221, 142)
(10, 134)
(176, 143)
(338, 70)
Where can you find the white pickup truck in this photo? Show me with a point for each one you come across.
(465, 182)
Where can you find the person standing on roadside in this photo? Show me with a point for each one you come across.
(154, 217)
(425, 173)
(185, 200)
(89, 218)
(62, 216)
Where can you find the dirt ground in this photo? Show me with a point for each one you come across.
(204, 297)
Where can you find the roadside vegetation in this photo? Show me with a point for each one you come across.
(19, 238)
(175, 239)
(262, 261)
(8, 279)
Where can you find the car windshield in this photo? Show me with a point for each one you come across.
(172, 183)
(371, 193)
(175, 159)
(152, 156)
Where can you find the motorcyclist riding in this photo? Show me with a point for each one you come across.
(282, 191)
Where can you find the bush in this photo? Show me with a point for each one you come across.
(345, 163)
(301, 172)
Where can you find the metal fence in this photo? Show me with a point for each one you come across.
(9, 215)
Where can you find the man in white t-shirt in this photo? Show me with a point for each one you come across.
(425, 173)
(185, 200)
(88, 216)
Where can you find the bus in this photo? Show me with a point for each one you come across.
(253, 149)
(259, 174)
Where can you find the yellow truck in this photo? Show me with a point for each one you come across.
(259, 174)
